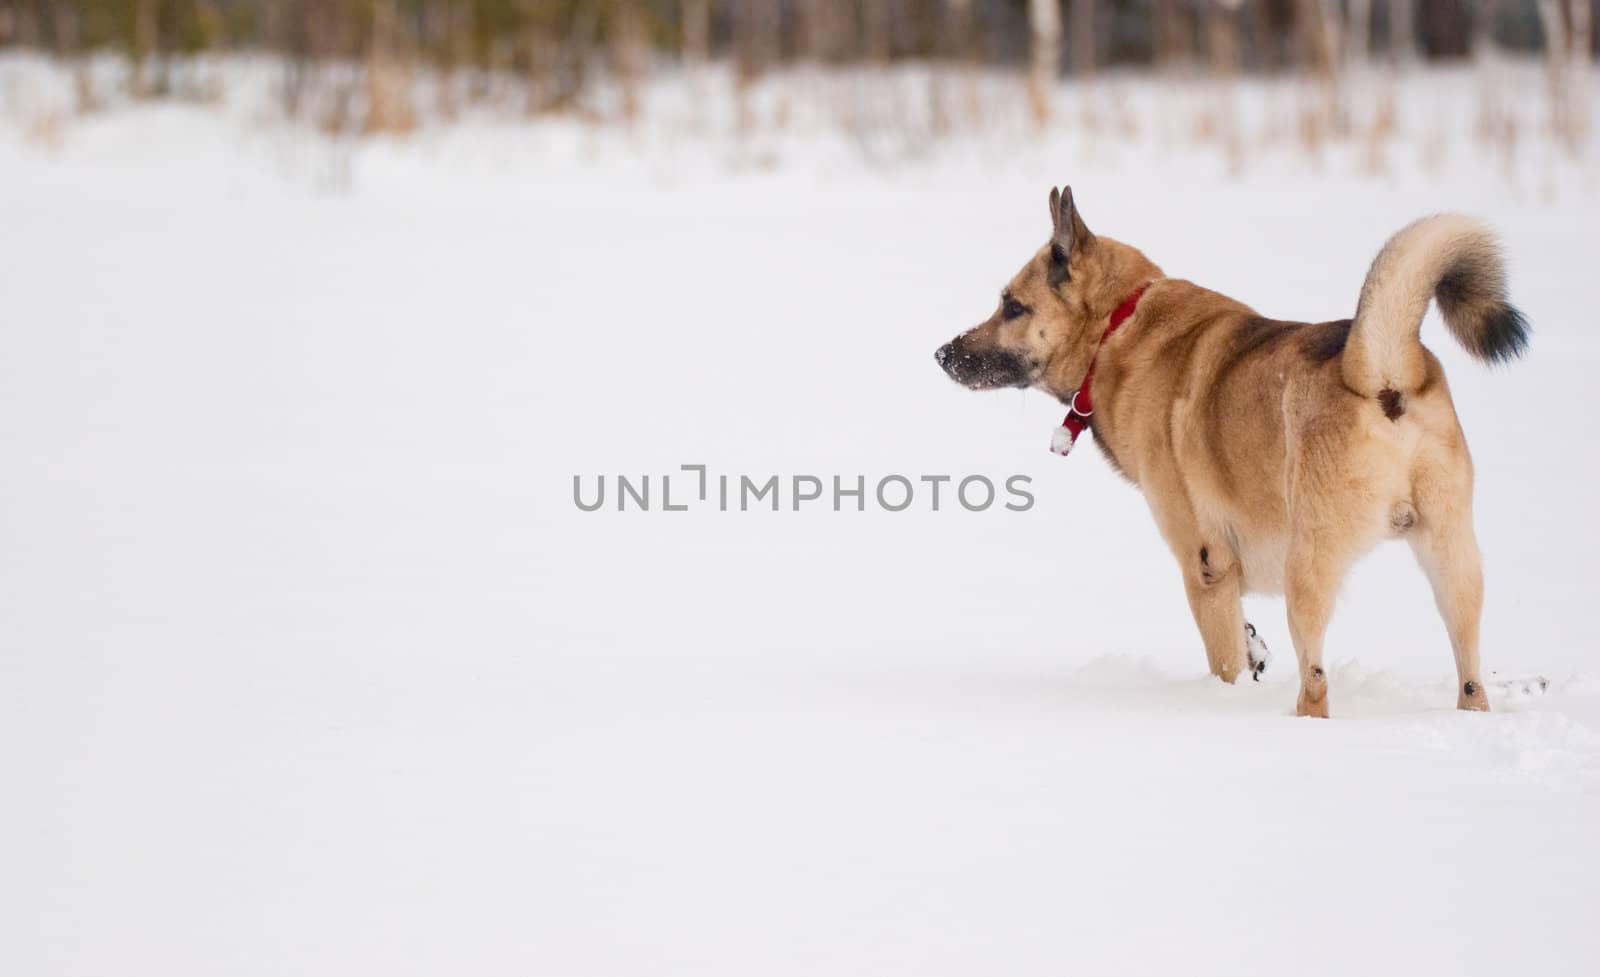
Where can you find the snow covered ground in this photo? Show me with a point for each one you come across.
(310, 664)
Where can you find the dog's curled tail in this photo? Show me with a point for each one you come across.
(1452, 259)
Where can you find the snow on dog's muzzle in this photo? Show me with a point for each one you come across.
(989, 369)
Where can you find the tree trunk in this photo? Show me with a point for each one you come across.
(1222, 30)
(1319, 35)
(1402, 37)
(1082, 37)
(1044, 28)
(755, 28)
(959, 31)
(1581, 53)
(630, 55)
(877, 30)
(388, 76)
(696, 32)
(145, 38)
(1566, 46)
(1358, 37)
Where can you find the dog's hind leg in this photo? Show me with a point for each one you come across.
(1323, 544)
(1447, 549)
(1311, 582)
(1334, 517)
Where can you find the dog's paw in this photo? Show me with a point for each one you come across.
(1256, 652)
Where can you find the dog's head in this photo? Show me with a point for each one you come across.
(1044, 332)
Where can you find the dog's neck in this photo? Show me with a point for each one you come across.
(1126, 270)
(1120, 271)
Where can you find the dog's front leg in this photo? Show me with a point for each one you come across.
(1220, 617)
(1212, 577)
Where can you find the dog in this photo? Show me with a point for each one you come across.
(1272, 454)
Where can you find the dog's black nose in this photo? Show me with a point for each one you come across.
(943, 353)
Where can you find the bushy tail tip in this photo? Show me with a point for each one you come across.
(1453, 260)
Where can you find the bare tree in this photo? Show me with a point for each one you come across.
(696, 32)
(1358, 34)
(958, 33)
(1582, 47)
(1044, 28)
(1222, 34)
(1402, 36)
(960, 30)
(630, 55)
(877, 30)
(389, 106)
(1567, 39)
(1319, 34)
(1319, 52)
(149, 69)
(1081, 37)
(755, 38)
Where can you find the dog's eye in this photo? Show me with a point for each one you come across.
(1012, 309)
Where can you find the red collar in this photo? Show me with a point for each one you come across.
(1080, 407)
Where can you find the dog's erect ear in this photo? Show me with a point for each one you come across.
(1070, 234)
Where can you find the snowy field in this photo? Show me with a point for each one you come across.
(310, 664)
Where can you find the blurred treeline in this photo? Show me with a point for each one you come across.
(363, 67)
(355, 65)
(555, 36)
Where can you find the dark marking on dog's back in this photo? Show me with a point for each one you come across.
(1248, 338)
(1325, 340)
(1392, 403)
(1254, 333)
(1251, 336)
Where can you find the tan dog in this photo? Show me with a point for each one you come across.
(1272, 454)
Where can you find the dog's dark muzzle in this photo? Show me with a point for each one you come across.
(986, 370)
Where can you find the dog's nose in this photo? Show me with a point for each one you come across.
(943, 353)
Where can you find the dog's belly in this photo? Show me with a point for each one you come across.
(1260, 544)
(1261, 560)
